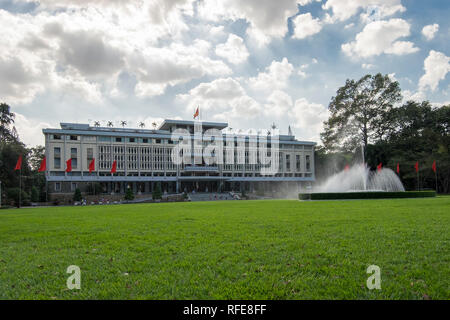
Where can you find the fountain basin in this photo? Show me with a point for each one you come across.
(354, 195)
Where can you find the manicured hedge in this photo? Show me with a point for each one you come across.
(366, 195)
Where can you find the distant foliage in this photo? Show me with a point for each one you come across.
(13, 196)
(129, 195)
(156, 194)
(34, 194)
(77, 195)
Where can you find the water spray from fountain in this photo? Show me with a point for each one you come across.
(359, 178)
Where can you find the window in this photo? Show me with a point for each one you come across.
(308, 164)
(118, 139)
(297, 162)
(104, 139)
(57, 186)
(73, 186)
(288, 162)
(158, 141)
(56, 137)
(74, 157)
(132, 140)
(90, 154)
(57, 158)
(74, 138)
(145, 140)
(89, 138)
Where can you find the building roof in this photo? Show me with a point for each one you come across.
(162, 131)
(166, 124)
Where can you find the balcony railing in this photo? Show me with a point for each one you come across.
(201, 168)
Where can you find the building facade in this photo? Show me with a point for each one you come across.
(144, 159)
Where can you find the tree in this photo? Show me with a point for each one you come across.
(129, 195)
(6, 120)
(77, 195)
(156, 194)
(13, 195)
(37, 154)
(360, 112)
(34, 194)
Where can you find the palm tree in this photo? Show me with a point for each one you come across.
(123, 123)
(110, 124)
(154, 124)
(97, 123)
(141, 124)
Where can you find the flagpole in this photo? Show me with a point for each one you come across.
(418, 180)
(435, 177)
(46, 187)
(20, 186)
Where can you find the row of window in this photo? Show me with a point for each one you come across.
(160, 156)
(169, 141)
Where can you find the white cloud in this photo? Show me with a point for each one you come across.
(157, 68)
(234, 50)
(381, 37)
(30, 130)
(367, 66)
(344, 9)
(301, 70)
(275, 76)
(348, 26)
(429, 31)
(305, 25)
(309, 118)
(267, 18)
(436, 67)
(279, 103)
(19, 83)
(224, 97)
(414, 96)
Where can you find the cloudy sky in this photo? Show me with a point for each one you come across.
(250, 63)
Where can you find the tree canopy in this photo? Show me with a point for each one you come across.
(360, 112)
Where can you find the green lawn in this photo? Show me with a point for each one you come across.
(229, 250)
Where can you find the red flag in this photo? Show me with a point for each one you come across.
(434, 166)
(92, 166)
(18, 164)
(416, 166)
(398, 168)
(43, 165)
(69, 165)
(196, 113)
(379, 166)
(347, 167)
(114, 167)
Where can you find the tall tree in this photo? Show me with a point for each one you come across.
(36, 155)
(360, 112)
(6, 120)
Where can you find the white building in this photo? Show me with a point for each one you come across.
(143, 159)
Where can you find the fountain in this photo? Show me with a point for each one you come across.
(359, 178)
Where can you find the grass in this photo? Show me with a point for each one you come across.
(229, 250)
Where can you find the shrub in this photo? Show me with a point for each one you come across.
(13, 195)
(34, 194)
(129, 195)
(365, 195)
(77, 195)
(156, 194)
